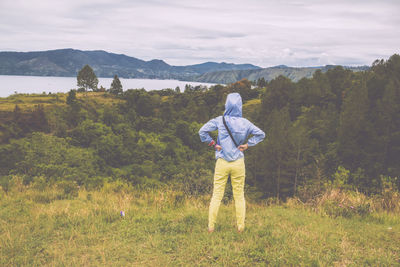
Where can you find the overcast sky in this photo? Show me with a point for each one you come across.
(264, 33)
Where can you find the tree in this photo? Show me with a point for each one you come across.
(274, 177)
(280, 151)
(354, 133)
(17, 113)
(71, 98)
(243, 87)
(279, 94)
(38, 121)
(116, 86)
(303, 146)
(261, 82)
(87, 79)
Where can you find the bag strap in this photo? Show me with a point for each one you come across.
(230, 134)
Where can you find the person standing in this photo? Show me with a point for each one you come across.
(233, 130)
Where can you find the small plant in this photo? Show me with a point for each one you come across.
(341, 178)
(179, 199)
(70, 188)
(390, 193)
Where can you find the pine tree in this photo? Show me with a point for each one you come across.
(116, 86)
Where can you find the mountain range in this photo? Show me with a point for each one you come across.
(295, 74)
(67, 62)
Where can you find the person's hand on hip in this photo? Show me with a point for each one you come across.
(243, 147)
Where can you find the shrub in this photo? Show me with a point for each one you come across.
(40, 183)
(94, 183)
(390, 196)
(52, 157)
(341, 178)
(335, 209)
(179, 199)
(5, 183)
(16, 183)
(70, 188)
(117, 186)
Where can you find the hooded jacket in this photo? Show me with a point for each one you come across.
(240, 128)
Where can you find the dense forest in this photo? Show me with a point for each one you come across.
(338, 127)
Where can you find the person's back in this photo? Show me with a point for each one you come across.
(233, 131)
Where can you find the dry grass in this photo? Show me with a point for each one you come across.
(338, 201)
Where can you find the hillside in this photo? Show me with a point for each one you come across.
(295, 74)
(67, 62)
(321, 189)
(318, 129)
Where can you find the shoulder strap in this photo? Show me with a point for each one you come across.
(230, 134)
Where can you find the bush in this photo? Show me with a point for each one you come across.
(179, 199)
(94, 183)
(390, 196)
(309, 191)
(70, 188)
(52, 157)
(335, 209)
(5, 183)
(40, 183)
(341, 178)
(195, 182)
(16, 183)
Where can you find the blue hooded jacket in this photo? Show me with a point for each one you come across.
(240, 128)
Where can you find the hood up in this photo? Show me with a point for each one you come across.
(233, 105)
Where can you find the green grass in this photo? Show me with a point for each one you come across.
(162, 229)
(28, 101)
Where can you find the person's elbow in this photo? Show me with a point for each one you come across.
(262, 135)
(258, 137)
(203, 136)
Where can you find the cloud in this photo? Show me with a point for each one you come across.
(265, 33)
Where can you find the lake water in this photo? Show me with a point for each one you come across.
(10, 84)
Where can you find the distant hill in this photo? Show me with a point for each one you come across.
(295, 74)
(67, 62)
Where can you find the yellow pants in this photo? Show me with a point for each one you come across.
(236, 170)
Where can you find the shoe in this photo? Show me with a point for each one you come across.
(210, 230)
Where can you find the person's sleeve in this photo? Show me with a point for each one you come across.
(204, 131)
(258, 135)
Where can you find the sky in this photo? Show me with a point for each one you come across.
(260, 32)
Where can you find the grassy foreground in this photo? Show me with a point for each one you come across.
(163, 228)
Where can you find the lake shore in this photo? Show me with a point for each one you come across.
(10, 84)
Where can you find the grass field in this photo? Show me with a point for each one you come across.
(165, 228)
(28, 101)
